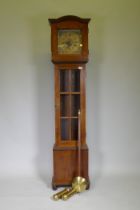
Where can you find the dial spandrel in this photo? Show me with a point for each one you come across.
(69, 41)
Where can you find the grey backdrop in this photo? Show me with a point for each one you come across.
(27, 86)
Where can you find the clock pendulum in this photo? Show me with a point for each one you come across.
(69, 47)
(79, 183)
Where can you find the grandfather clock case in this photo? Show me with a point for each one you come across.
(69, 47)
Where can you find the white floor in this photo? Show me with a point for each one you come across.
(106, 193)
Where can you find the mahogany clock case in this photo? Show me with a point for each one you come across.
(69, 45)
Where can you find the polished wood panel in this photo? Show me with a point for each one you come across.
(65, 165)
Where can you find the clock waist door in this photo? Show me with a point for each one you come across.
(70, 98)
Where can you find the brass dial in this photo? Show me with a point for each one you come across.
(69, 41)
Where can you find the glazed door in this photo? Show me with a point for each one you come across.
(69, 100)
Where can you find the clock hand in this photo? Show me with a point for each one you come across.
(69, 43)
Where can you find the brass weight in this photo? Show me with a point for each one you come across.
(59, 195)
(79, 184)
(67, 195)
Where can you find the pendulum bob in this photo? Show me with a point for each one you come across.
(59, 195)
(79, 184)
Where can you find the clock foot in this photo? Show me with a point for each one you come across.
(54, 187)
(88, 186)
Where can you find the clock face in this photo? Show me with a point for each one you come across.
(69, 41)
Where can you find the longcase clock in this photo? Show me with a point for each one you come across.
(69, 47)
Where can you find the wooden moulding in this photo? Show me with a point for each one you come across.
(69, 17)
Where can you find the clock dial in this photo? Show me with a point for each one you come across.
(69, 41)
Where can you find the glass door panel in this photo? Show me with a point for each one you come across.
(65, 125)
(74, 129)
(64, 80)
(75, 80)
(64, 105)
(75, 104)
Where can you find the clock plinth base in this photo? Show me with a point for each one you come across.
(55, 185)
(65, 165)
